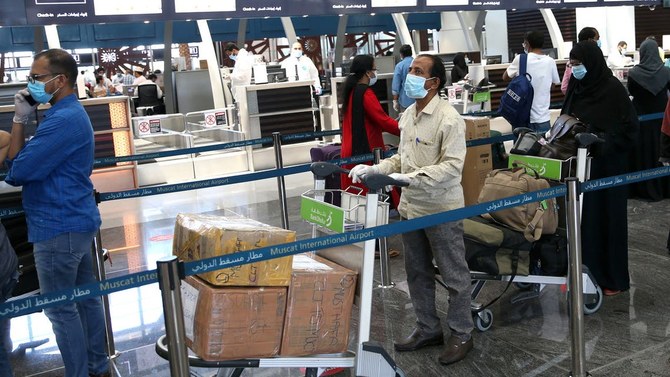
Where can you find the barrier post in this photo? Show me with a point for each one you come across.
(281, 185)
(383, 245)
(575, 284)
(99, 270)
(170, 273)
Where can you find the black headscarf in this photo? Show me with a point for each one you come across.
(600, 100)
(651, 74)
(460, 68)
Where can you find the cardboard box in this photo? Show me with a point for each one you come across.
(224, 323)
(204, 236)
(478, 160)
(318, 314)
(477, 127)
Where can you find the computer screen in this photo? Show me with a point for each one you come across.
(494, 59)
(551, 52)
(276, 73)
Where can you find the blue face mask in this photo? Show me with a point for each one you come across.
(414, 86)
(599, 43)
(233, 57)
(579, 71)
(38, 92)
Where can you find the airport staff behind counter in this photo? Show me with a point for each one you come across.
(301, 67)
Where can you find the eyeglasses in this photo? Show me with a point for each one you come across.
(34, 77)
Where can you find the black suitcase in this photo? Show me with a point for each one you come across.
(328, 153)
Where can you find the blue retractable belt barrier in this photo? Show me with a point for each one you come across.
(28, 305)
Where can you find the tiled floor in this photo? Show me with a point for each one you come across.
(629, 336)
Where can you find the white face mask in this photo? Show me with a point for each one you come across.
(296, 53)
(373, 80)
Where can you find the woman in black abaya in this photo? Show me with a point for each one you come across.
(460, 69)
(601, 101)
(648, 83)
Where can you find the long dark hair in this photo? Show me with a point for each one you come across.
(360, 65)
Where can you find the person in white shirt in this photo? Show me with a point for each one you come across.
(618, 58)
(543, 72)
(139, 76)
(241, 74)
(151, 80)
(302, 67)
(102, 72)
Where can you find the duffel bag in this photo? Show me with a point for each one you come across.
(532, 218)
(495, 249)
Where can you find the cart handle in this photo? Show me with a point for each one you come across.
(379, 181)
(323, 169)
(585, 139)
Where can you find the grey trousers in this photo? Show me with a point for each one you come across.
(444, 243)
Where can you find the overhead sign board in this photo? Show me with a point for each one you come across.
(46, 12)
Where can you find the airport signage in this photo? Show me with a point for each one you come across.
(47, 12)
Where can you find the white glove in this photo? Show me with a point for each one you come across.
(360, 171)
(22, 109)
(396, 106)
(318, 91)
(401, 177)
(397, 177)
(666, 163)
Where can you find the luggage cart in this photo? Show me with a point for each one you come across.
(579, 167)
(369, 359)
(356, 212)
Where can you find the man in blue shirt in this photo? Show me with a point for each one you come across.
(400, 99)
(54, 168)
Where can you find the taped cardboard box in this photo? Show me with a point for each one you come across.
(478, 160)
(225, 323)
(318, 314)
(204, 236)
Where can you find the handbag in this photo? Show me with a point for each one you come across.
(561, 143)
(527, 142)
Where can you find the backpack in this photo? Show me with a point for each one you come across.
(517, 99)
(533, 219)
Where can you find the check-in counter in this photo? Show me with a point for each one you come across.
(110, 117)
(285, 107)
(162, 133)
